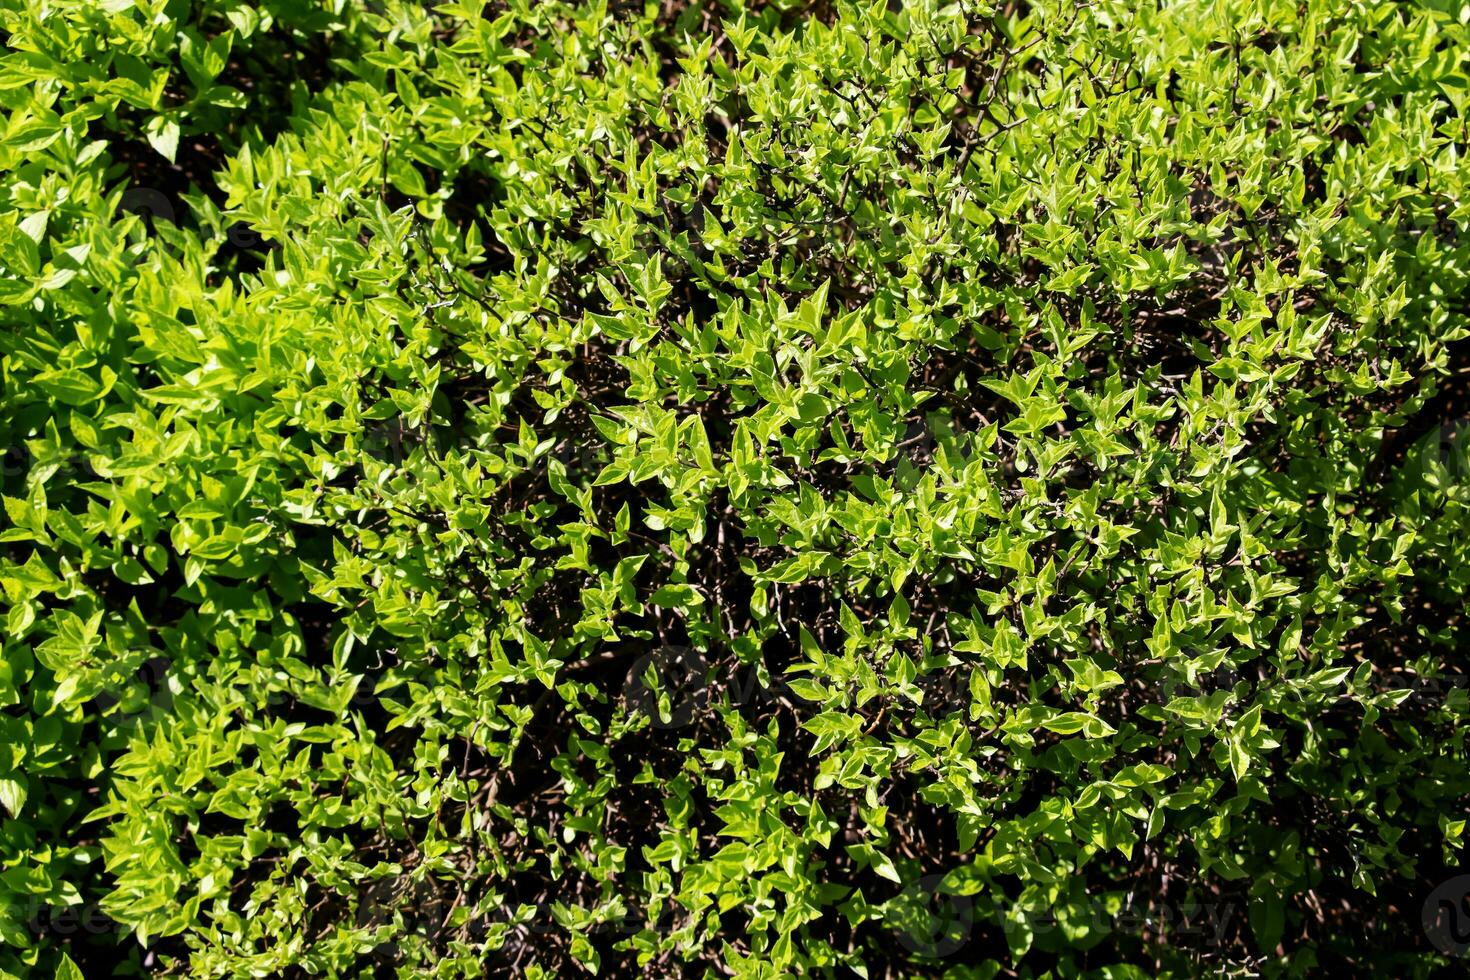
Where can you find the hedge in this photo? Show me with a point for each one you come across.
(745, 488)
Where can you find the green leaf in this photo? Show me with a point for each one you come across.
(13, 793)
(163, 136)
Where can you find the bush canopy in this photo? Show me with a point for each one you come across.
(742, 488)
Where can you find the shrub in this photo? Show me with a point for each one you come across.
(754, 489)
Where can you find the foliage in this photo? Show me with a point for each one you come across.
(732, 488)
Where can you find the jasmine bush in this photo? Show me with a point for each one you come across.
(734, 488)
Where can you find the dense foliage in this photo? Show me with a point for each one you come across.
(715, 488)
